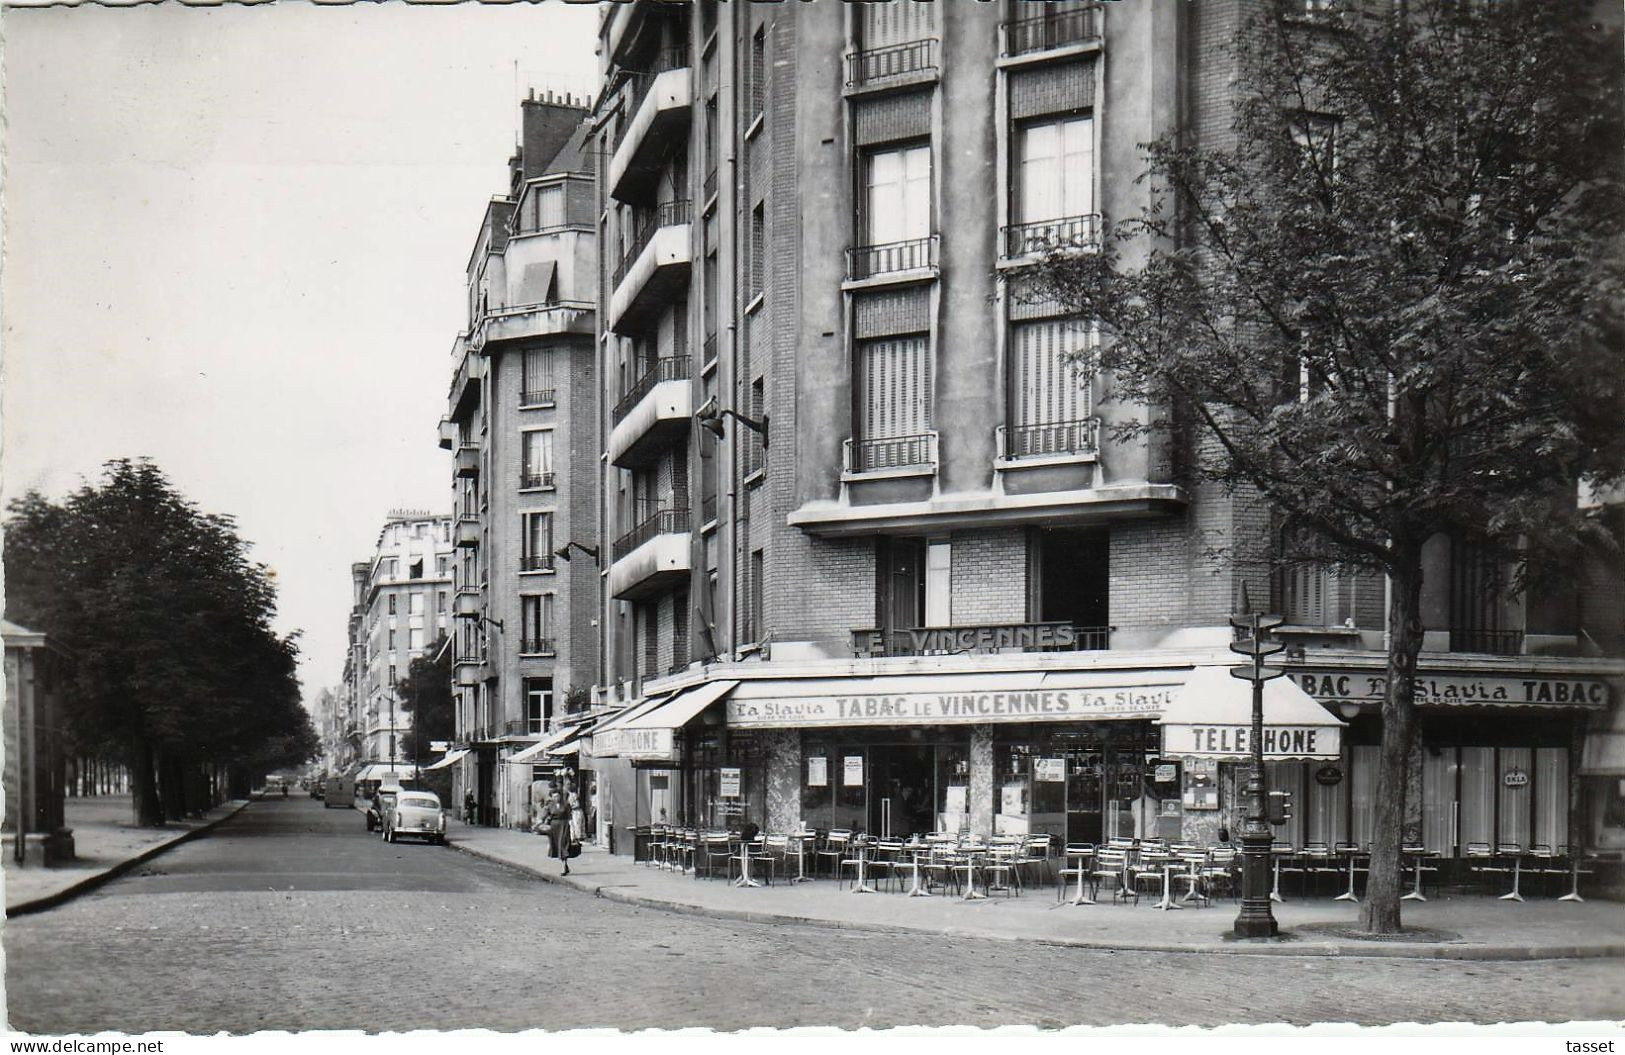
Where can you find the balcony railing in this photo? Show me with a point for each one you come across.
(1044, 236)
(536, 646)
(529, 480)
(661, 522)
(536, 397)
(666, 214)
(668, 368)
(866, 261)
(1491, 642)
(710, 187)
(891, 452)
(1053, 29)
(640, 82)
(1054, 438)
(708, 509)
(523, 727)
(937, 641)
(536, 562)
(883, 64)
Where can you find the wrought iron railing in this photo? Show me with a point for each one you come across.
(1052, 438)
(666, 214)
(708, 350)
(661, 522)
(866, 261)
(536, 562)
(883, 64)
(708, 509)
(1491, 642)
(1043, 236)
(528, 480)
(891, 452)
(536, 646)
(1053, 29)
(537, 397)
(667, 368)
(710, 186)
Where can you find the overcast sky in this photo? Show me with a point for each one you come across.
(235, 240)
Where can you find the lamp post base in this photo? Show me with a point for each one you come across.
(1256, 919)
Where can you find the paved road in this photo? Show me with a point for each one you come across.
(290, 917)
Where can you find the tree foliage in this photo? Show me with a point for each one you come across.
(169, 621)
(426, 692)
(1389, 300)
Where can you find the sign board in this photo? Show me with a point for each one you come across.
(1515, 778)
(1235, 741)
(956, 799)
(636, 744)
(729, 783)
(980, 638)
(852, 771)
(1165, 773)
(1328, 776)
(1049, 770)
(1201, 784)
(817, 771)
(949, 708)
(1460, 690)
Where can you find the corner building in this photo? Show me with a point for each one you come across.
(914, 585)
(522, 422)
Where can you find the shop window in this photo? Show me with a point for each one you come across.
(1070, 581)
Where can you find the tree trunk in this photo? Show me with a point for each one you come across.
(143, 786)
(1380, 912)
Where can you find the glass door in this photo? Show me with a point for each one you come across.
(901, 791)
(1085, 796)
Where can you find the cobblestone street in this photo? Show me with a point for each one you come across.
(290, 917)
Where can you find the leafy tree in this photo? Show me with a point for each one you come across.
(176, 664)
(426, 692)
(1388, 303)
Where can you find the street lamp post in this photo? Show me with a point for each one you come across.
(1256, 920)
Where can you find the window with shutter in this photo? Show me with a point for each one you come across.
(894, 411)
(888, 23)
(1051, 399)
(536, 381)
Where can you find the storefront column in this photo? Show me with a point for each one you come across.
(981, 780)
(783, 748)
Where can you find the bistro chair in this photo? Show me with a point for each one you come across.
(833, 849)
(1072, 876)
(715, 847)
(885, 859)
(1111, 865)
(1220, 870)
(1318, 863)
(1001, 869)
(1035, 852)
(939, 863)
(1150, 871)
(776, 855)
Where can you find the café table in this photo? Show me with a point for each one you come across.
(1168, 904)
(916, 849)
(861, 848)
(1277, 855)
(1353, 854)
(801, 839)
(1083, 858)
(744, 879)
(1417, 854)
(969, 862)
(1574, 876)
(1517, 874)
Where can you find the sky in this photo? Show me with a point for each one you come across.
(235, 242)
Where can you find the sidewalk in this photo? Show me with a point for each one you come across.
(1475, 927)
(106, 845)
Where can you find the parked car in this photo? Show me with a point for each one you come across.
(378, 809)
(417, 814)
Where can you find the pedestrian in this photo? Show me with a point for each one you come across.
(470, 807)
(578, 814)
(538, 802)
(557, 816)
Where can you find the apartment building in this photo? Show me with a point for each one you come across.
(522, 423)
(403, 607)
(872, 557)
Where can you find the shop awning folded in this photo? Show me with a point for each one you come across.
(1211, 716)
(452, 757)
(631, 712)
(387, 773)
(541, 748)
(1604, 752)
(683, 708)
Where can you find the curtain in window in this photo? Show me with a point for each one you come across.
(1477, 795)
(1363, 792)
(1050, 388)
(549, 207)
(1055, 174)
(538, 452)
(538, 534)
(1514, 826)
(1551, 786)
(1439, 800)
(897, 22)
(1327, 809)
(537, 369)
(1288, 776)
(897, 195)
(895, 386)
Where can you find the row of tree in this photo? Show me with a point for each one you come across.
(176, 668)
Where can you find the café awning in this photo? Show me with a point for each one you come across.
(452, 757)
(536, 752)
(683, 708)
(1211, 716)
(1604, 752)
(649, 732)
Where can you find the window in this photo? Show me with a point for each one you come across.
(758, 73)
(394, 675)
(440, 601)
(536, 380)
(1053, 185)
(1050, 399)
(442, 565)
(538, 705)
(754, 628)
(536, 468)
(536, 617)
(391, 604)
(546, 208)
(417, 604)
(536, 542)
(392, 640)
(758, 245)
(885, 24)
(679, 629)
(900, 602)
(750, 438)
(894, 402)
(896, 199)
(414, 639)
(1304, 591)
(1478, 602)
(1315, 136)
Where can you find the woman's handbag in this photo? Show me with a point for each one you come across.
(575, 848)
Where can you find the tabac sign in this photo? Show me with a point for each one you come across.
(1458, 690)
(948, 708)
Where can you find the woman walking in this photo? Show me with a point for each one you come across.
(556, 814)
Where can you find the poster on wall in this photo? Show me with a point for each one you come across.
(1049, 770)
(730, 783)
(956, 799)
(817, 771)
(852, 771)
(1201, 784)
(1013, 800)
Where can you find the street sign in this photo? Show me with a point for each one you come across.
(1250, 673)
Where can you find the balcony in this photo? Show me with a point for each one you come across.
(468, 676)
(916, 257)
(1060, 439)
(536, 646)
(1051, 31)
(518, 727)
(1069, 233)
(537, 397)
(466, 461)
(891, 453)
(653, 269)
(468, 531)
(464, 395)
(531, 481)
(652, 557)
(536, 562)
(660, 105)
(1489, 642)
(654, 413)
(466, 605)
(519, 322)
(899, 64)
(959, 640)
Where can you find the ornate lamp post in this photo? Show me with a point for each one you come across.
(1255, 920)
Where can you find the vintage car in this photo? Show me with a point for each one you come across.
(378, 807)
(417, 814)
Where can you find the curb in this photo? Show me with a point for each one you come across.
(1375, 950)
(91, 882)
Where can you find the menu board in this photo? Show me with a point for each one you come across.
(817, 771)
(852, 771)
(730, 783)
(1049, 769)
(1201, 784)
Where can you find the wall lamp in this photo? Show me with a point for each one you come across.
(563, 552)
(710, 418)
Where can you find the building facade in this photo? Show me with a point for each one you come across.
(522, 421)
(872, 557)
(403, 608)
(35, 760)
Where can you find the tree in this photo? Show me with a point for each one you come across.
(1388, 303)
(176, 665)
(426, 692)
